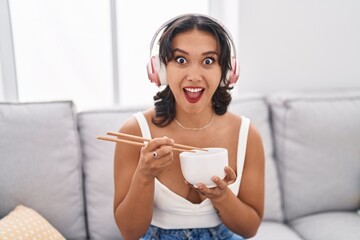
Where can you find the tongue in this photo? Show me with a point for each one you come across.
(193, 97)
(193, 94)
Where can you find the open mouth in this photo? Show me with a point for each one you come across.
(193, 94)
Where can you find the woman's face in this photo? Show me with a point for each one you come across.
(194, 74)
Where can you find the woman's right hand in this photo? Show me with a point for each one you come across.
(155, 157)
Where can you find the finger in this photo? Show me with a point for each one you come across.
(166, 161)
(201, 188)
(230, 174)
(221, 184)
(163, 151)
(158, 142)
(155, 155)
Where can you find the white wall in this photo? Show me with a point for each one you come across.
(2, 6)
(299, 45)
(2, 97)
(8, 86)
(63, 51)
(281, 45)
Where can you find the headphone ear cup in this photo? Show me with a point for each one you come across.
(152, 71)
(235, 72)
(156, 71)
(232, 75)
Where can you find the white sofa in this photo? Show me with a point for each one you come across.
(51, 162)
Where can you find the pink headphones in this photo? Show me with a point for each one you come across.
(157, 70)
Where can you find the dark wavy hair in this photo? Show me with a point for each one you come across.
(164, 100)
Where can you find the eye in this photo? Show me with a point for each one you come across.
(208, 61)
(180, 60)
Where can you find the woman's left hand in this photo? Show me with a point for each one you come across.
(221, 185)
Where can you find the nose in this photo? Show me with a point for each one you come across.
(194, 73)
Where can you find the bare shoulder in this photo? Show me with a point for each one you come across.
(254, 136)
(231, 121)
(127, 155)
(232, 116)
(252, 183)
(255, 149)
(131, 125)
(254, 140)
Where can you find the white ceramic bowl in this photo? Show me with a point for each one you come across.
(201, 166)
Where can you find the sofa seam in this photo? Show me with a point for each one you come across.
(75, 118)
(281, 153)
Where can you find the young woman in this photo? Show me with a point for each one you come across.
(152, 199)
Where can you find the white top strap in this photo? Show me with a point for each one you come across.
(243, 135)
(145, 131)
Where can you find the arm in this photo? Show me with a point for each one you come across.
(243, 213)
(134, 172)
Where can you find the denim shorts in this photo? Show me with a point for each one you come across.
(218, 232)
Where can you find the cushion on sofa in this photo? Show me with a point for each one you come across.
(41, 164)
(271, 230)
(255, 107)
(98, 158)
(317, 139)
(26, 224)
(329, 226)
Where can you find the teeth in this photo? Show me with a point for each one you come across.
(193, 89)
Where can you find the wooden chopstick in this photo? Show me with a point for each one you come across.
(148, 140)
(137, 143)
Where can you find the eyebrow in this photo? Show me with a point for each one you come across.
(205, 53)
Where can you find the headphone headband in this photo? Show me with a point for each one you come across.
(196, 15)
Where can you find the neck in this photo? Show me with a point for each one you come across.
(203, 123)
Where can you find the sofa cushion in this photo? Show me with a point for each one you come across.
(317, 138)
(270, 230)
(26, 224)
(98, 158)
(41, 164)
(329, 226)
(255, 107)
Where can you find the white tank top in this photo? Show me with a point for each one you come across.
(172, 211)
